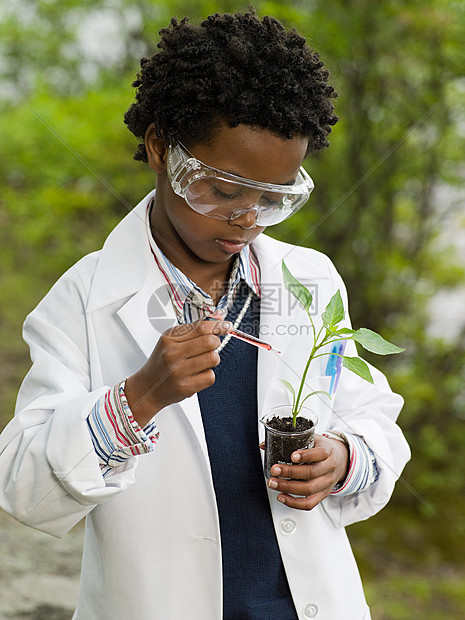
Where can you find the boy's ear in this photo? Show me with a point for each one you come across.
(156, 149)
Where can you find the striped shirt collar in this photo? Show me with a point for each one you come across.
(190, 302)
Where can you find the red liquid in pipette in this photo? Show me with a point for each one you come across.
(251, 340)
(247, 338)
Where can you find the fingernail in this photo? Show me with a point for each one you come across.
(272, 484)
(281, 499)
(296, 457)
(276, 471)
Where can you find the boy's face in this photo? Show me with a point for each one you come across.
(196, 242)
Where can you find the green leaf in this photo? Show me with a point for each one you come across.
(359, 367)
(300, 292)
(344, 331)
(312, 394)
(334, 312)
(371, 341)
(289, 387)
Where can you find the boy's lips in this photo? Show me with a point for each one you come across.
(232, 246)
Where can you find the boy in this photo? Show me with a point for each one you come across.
(152, 434)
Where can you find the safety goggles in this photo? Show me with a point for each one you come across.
(224, 196)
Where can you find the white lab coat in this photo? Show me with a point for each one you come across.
(152, 541)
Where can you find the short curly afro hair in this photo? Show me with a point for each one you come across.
(234, 69)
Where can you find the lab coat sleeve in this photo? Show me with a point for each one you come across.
(50, 476)
(369, 411)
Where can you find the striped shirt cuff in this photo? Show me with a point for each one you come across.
(363, 470)
(115, 433)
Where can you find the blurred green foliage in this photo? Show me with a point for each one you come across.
(383, 207)
(402, 596)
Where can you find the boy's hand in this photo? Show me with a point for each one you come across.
(181, 365)
(321, 468)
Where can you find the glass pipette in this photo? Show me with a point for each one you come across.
(256, 342)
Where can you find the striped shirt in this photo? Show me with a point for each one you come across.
(117, 436)
(362, 471)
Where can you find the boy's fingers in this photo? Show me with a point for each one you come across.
(296, 472)
(302, 503)
(196, 364)
(198, 382)
(198, 346)
(304, 487)
(312, 455)
(188, 331)
(305, 461)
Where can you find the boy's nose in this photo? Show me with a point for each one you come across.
(246, 218)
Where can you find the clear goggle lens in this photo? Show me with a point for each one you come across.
(223, 196)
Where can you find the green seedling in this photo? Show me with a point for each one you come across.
(329, 333)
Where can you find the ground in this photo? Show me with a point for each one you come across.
(39, 574)
(39, 578)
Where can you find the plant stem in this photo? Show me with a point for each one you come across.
(301, 386)
(330, 342)
(315, 348)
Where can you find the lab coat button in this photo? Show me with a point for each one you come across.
(310, 610)
(288, 526)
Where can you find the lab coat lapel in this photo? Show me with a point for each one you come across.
(146, 316)
(149, 312)
(124, 261)
(127, 272)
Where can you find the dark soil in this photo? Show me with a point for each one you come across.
(284, 425)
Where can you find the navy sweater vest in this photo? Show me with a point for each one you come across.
(254, 581)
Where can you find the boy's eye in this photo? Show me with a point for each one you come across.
(270, 201)
(232, 192)
(225, 193)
